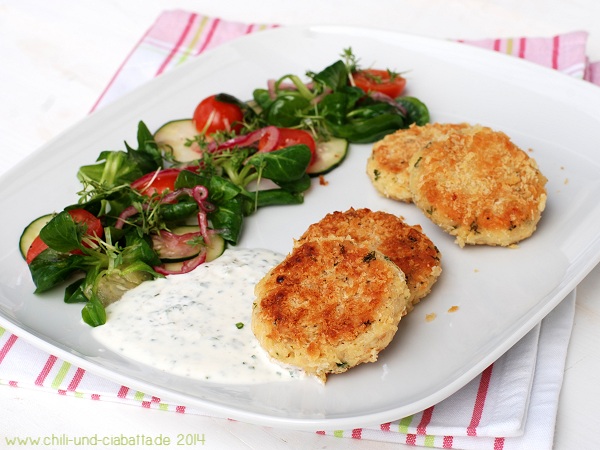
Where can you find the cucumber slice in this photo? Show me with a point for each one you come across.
(185, 229)
(216, 248)
(32, 231)
(217, 243)
(172, 138)
(330, 154)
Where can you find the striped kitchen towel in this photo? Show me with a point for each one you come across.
(178, 36)
(565, 53)
(511, 405)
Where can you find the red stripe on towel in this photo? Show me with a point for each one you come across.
(522, 47)
(484, 384)
(425, 419)
(39, 381)
(119, 70)
(178, 44)
(7, 345)
(76, 379)
(447, 442)
(123, 392)
(555, 51)
(211, 33)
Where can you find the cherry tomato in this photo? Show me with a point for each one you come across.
(156, 183)
(92, 224)
(36, 247)
(212, 115)
(376, 80)
(289, 137)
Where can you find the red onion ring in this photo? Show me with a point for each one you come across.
(245, 140)
(186, 267)
(380, 97)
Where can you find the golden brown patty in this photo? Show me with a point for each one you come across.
(407, 246)
(479, 187)
(330, 305)
(387, 167)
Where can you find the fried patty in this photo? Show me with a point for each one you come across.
(387, 166)
(331, 304)
(479, 187)
(407, 246)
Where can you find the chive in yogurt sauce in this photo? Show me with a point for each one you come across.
(198, 325)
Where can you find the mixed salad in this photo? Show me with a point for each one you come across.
(180, 195)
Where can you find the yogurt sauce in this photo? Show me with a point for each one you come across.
(198, 324)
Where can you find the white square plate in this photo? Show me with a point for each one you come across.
(501, 293)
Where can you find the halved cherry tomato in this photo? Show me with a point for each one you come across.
(36, 247)
(377, 80)
(212, 115)
(156, 182)
(93, 227)
(289, 137)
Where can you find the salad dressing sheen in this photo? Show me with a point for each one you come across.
(197, 324)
